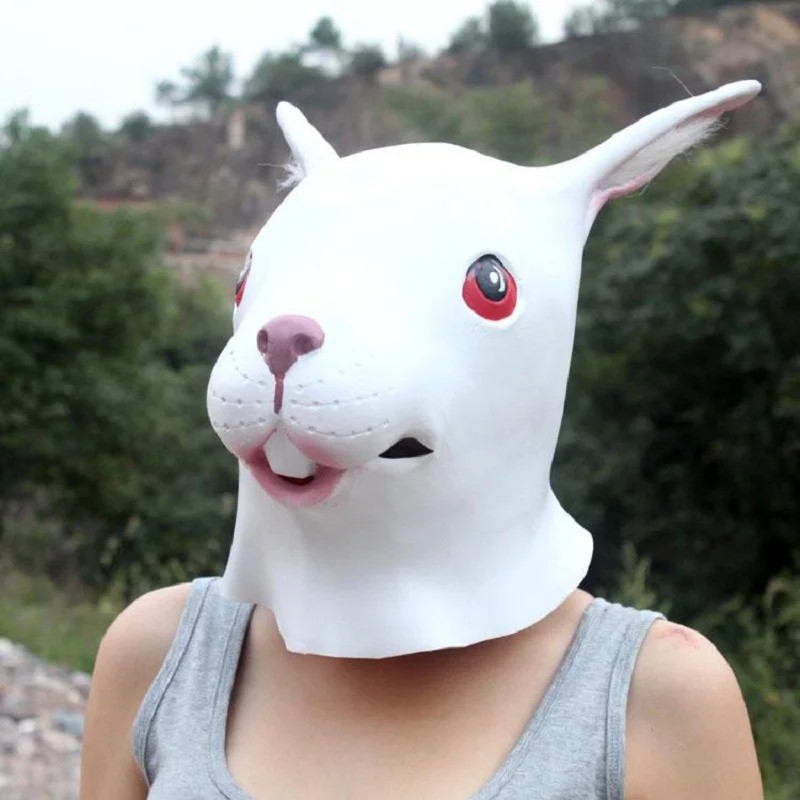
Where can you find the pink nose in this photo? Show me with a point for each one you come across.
(282, 341)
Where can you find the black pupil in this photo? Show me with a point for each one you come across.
(491, 279)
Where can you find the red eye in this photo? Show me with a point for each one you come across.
(489, 289)
(241, 281)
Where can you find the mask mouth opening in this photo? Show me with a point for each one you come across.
(296, 481)
(272, 467)
(408, 447)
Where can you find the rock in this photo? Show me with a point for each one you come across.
(41, 726)
(60, 742)
(70, 722)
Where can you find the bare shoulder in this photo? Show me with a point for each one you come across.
(128, 660)
(688, 733)
(141, 635)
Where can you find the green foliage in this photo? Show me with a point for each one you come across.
(326, 36)
(54, 622)
(206, 84)
(105, 360)
(507, 122)
(470, 36)
(278, 76)
(682, 432)
(512, 122)
(85, 132)
(136, 126)
(762, 643)
(366, 60)
(633, 586)
(616, 15)
(687, 6)
(503, 123)
(587, 21)
(408, 51)
(167, 93)
(511, 26)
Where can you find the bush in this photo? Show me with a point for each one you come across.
(682, 432)
(762, 643)
(105, 361)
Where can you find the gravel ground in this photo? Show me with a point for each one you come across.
(41, 723)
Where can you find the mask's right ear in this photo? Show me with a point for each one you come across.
(633, 157)
(309, 148)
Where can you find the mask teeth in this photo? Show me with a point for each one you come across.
(285, 459)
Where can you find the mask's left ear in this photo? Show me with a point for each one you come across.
(634, 156)
(308, 147)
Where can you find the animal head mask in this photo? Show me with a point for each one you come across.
(394, 385)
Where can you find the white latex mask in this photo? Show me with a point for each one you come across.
(395, 382)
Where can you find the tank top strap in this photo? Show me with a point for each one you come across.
(591, 700)
(174, 720)
(574, 745)
(630, 626)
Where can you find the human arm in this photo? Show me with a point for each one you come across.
(689, 735)
(128, 660)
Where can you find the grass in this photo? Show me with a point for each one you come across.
(55, 623)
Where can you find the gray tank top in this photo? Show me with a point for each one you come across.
(573, 746)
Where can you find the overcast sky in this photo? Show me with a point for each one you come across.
(105, 57)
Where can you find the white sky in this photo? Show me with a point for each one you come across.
(105, 57)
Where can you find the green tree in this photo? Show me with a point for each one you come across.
(366, 60)
(136, 126)
(325, 36)
(511, 26)
(206, 84)
(325, 48)
(209, 80)
(85, 132)
(469, 37)
(278, 76)
(167, 93)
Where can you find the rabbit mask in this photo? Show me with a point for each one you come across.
(394, 386)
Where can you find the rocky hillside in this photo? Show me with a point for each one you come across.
(223, 174)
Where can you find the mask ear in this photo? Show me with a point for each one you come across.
(633, 157)
(308, 147)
